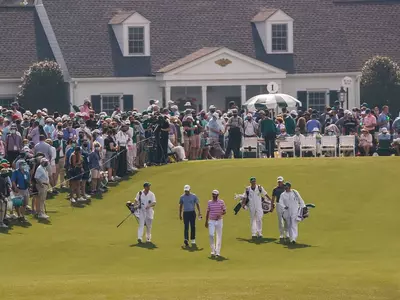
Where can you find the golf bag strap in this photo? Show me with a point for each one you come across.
(248, 192)
(140, 200)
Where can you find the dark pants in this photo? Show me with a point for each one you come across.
(270, 144)
(234, 140)
(189, 217)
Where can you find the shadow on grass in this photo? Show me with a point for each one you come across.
(26, 224)
(218, 259)
(44, 221)
(297, 246)
(5, 230)
(148, 246)
(193, 248)
(257, 241)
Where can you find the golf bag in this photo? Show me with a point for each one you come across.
(304, 212)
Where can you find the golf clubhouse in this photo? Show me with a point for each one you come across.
(115, 52)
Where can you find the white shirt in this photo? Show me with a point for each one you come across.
(146, 200)
(122, 138)
(293, 201)
(53, 156)
(250, 127)
(41, 175)
(255, 205)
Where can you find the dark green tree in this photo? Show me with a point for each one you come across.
(43, 86)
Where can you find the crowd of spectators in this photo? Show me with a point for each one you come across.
(82, 151)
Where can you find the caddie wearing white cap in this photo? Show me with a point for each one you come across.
(187, 204)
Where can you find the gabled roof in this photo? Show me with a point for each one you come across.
(328, 37)
(189, 58)
(121, 17)
(264, 14)
(22, 41)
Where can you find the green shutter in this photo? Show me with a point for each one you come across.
(333, 96)
(128, 102)
(302, 97)
(95, 99)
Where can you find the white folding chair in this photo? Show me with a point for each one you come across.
(329, 144)
(308, 143)
(286, 145)
(249, 144)
(347, 143)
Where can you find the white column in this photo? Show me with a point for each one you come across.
(167, 93)
(204, 97)
(243, 94)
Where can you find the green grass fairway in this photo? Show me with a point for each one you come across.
(351, 243)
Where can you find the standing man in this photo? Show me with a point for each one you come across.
(215, 210)
(252, 198)
(276, 194)
(268, 132)
(293, 205)
(235, 128)
(42, 185)
(146, 200)
(187, 202)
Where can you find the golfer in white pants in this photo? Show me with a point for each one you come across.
(280, 209)
(293, 205)
(215, 210)
(146, 200)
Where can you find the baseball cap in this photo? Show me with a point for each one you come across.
(215, 192)
(186, 188)
(384, 130)
(146, 184)
(280, 179)
(252, 179)
(288, 184)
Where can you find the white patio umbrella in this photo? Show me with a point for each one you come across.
(271, 101)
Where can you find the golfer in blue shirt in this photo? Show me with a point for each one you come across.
(187, 204)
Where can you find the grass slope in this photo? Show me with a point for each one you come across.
(351, 245)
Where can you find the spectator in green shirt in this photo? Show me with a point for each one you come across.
(268, 132)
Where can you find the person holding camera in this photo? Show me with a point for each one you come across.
(145, 201)
(187, 204)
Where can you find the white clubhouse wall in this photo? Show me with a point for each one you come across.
(9, 88)
(141, 89)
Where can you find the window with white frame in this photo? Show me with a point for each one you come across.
(108, 103)
(136, 40)
(317, 100)
(6, 101)
(279, 36)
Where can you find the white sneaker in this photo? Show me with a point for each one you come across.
(81, 199)
(72, 200)
(148, 240)
(87, 196)
(43, 216)
(212, 254)
(13, 216)
(134, 169)
(193, 242)
(2, 225)
(117, 178)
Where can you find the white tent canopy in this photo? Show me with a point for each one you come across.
(271, 101)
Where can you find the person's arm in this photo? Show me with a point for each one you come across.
(180, 210)
(198, 206)
(223, 208)
(207, 216)
(265, 194)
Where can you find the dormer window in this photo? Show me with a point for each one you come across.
(136, 40)
(279, 36)
(276, 30)
(132, 31)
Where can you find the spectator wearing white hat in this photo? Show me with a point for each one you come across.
(40, 118)
(42, 185)
(187, 212)
(250, 126)
(13, 143)
(216, 209)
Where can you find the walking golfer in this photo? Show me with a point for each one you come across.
(293, 205)
(280, 209)
(252, 198)
(215, 210)
(187, 203)
(145, 200)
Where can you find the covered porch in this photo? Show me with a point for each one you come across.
(216, 76)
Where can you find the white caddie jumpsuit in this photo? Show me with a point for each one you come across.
(146, 216)
(294, 203)
(255, 209)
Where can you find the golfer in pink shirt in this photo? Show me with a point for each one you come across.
(215, 210)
